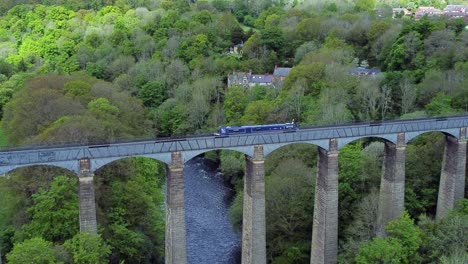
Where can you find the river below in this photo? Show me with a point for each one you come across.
(210, 238)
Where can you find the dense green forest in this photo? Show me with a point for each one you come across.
(108, 70)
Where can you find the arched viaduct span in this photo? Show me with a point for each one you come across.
(84, 160)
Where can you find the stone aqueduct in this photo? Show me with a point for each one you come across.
(84, 160)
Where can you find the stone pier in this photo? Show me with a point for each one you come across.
(325, 223)
(87, 200)
(452, 178)
(461, 156)
(253, 222)
(176, 243)
(392, 184)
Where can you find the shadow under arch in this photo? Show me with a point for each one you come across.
(189, 155)
(130, 208)
(68, 166)
(410, 136)
(30, 179)
(294, 150)
(97, 164)
(38, 170)
(22, 207)
(391, 138)
(423, 167)
(290, 178)
(361, 169)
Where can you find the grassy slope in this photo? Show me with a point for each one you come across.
(3, 139)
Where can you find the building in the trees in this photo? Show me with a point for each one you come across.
(427, 10)
(364, 72)
(236, 49)
(280, 73)
(247, 79)
(457, 11)
(451, 11)
(401, 12)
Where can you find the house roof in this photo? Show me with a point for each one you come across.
(281, 71)
(363, 71)
(260, 78)
(456, 8)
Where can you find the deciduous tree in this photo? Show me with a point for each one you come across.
(34, 250)
(54, 214)
(88, 248)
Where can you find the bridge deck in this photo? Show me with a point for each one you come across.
(67, 156)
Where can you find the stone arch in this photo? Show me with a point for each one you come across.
(391, 138)
(269, 148)
(136, 195)
(451, 178)
(391, 184)
(101, 162)
(409, 136)
(67, 165)
(190, 154)
(62, 165)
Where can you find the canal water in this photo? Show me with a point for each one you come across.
(210, 238)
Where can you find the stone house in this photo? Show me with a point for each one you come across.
(457, 11)
(247, 79)
(427, 10)
(364, 72)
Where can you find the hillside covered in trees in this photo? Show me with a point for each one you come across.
(103, 71)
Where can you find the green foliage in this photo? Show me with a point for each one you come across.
(302, 50)
(202, 17)
(54, 213)
(49, 98)
(101, 108)
(3, 139)
(166, 59)
(401, 245)
(423, 157)
(445, 239)
(381, 250)
(169, 118)
(152, 94)
(77, 88)
(408, 234)
(134, 212)
(34, 250)
(6, 68)
(11, 204)
(234, 104)
(460, 257)
(235, 211)
(273, 39)
(257, 112)
(232, 165)
(312, 74)
(193, 47)
(88, 248)
(350, 180)
(289, 200)
(365, 5)
(440, 106)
